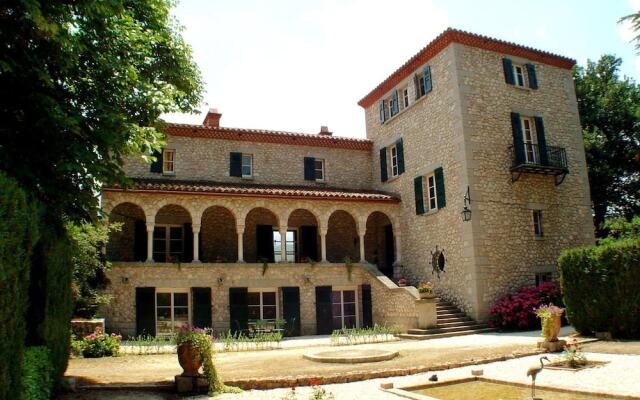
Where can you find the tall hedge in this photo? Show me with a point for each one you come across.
(18, 234)
(601, 287)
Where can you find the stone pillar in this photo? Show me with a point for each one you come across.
(196, 244)
(150, 227)
(240, 231)
(323, 245)
(283, 244)
(396, 238)
(361, 240)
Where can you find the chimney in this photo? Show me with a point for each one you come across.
(324, 131)
(212, 119)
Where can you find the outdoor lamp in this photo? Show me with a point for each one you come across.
(466, 211)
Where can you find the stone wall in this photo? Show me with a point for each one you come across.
(218, 235)
(390, 304)
(275, 164)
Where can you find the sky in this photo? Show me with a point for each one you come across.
(294, 65)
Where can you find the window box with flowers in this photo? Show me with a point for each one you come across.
(425, 290)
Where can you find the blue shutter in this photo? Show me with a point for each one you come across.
(383, 165)
(440, 193)
(507, 65)
(309, 169)
(427, 79)
(542, 141)
(531, 73)
(518, 142)
(381, 111)
(235, 164)
(394, 103)
(417, 189)
(156, 166)
(400, 155)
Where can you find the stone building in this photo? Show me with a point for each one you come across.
(472, 175)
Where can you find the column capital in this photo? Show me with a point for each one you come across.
(323, 231)
(239, 229)
(195, 228)
(151, 226)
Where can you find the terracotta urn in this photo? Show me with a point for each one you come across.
(189, 359)
(557, 324)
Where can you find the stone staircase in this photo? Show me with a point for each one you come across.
(451, 322)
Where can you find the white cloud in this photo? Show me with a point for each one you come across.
(298, 65)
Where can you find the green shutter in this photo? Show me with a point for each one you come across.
(187, 243)
(417, 188)
(400, 154)
(145, 311)
(542, 141)
(384, 176)
(201, 307)
(507, 66)
(394, 103)
(156, 166)
(367, 309)
(324, 314)
(291, 310)
(381, 111)
(440, 194)
(235, 164)
(518, 142)
(238, 309)
(531, 73)
(428, 85)
(140, 241)
(309, 169)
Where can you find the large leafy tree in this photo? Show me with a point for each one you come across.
(82, 86)
(610, 116)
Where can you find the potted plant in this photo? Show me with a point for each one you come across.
(193, 345)
(425, 289)
(551, 318)
(402, 281)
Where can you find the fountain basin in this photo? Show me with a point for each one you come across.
(351, 356)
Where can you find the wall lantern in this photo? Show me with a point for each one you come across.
(466, 211)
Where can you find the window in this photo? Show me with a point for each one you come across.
(167, 243)
(404, 98)
(519, 75)
(247, 165)
(344, 308)
(393, 150)
(530, 140)
(168, 161)
(262, 304)
(537, 223)
(420, 87)
(432, 204)
(291, 243)
(172, 311)
(319, 169)
(542, 277)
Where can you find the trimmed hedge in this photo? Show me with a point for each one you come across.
(18, 233)
(37, 373)
(601, 287)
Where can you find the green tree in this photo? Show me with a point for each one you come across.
(83, 86)
(610, 116)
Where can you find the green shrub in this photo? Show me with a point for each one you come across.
(98, 344)
(37, 374)
(18, 234)
(600, 287)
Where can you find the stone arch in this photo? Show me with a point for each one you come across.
(379, 242)
(130, 242)
(256, 222)
(172, 234)
(218, 238)
(342, 237)
(305, 225)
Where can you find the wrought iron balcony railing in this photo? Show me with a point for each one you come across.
(529, 159)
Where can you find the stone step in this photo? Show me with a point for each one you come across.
(450, 314)
(446, 329)
(461, 322)
(444, 335)
(439, 308)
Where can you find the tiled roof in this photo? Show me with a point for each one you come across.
(252, 190)
(469, 39)
(265, 136)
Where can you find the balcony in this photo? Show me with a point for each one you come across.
(530, 160)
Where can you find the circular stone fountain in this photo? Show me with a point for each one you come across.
(351, 356)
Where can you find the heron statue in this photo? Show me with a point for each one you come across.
(533, 372)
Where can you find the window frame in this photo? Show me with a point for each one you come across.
(261, 305)
(395, 171)
(172, 306)
(538, 231)
(167, 241)
(531, 149)
(166, 162)
(296, 243)
(422, 91)
(356, 303)
(519, 73)
(242, 165)
(322, 170)
(432, 192)
(403, 98)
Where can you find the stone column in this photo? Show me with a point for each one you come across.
(240, 231)
(396, 238)
(361, 234)
(283, 244)
(323, 245)
(196, 244)
(150, 227)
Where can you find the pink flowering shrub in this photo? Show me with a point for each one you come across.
(99, 344)
(517, 311)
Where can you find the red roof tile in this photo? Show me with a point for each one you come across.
(265, 136)
(469, 39)
(249, 190)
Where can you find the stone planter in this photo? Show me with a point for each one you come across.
(189, 359)
(427, 295)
